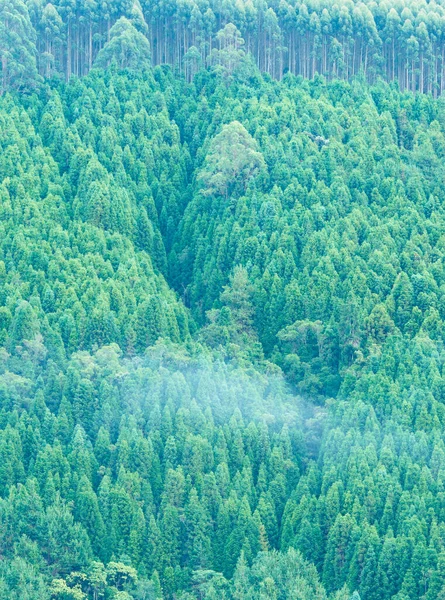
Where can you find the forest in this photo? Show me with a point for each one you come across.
(401, 40)
(222, 303)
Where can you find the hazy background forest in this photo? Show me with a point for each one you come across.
(402, 40)
(222, 301)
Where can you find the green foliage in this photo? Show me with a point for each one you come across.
(165, 484)
(401, 41)
(18, 66)
(221, 330)
(232, 161)
(127, 48)
(277, 575)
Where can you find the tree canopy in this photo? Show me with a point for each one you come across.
(231, 162)
(127, 48)
(222, 306)
(402, 41)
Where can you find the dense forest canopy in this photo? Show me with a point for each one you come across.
(222, 301)
(402, 41)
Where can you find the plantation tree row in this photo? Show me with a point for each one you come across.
(402, 41)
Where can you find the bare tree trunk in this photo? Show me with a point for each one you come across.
(68, 50)
(90, 46)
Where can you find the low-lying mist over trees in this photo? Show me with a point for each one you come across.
(222, 301)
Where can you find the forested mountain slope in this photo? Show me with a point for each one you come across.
(76, 233)
(402, 41)
(222, 326)
(340, 231)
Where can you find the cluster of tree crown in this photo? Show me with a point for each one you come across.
(141, 478)
(403, 41)
(260, 227)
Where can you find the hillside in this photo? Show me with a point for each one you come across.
(401, 41)
(222, 309)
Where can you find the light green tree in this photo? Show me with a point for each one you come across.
(233, 159)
